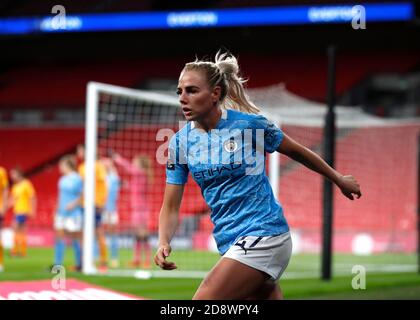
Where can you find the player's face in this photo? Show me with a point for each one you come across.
(14, 175)
(80, 152)
(107, 164)
(195, 96)
(62, 167)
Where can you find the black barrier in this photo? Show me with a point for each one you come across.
(329, 151)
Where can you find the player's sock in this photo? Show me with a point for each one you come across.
(114, 247)
(103, 254)
(96, 249)
(1, 254)
(16, 243)
(59, 248)
(24, 245)
(136, 251)
(77, 252)
(147, 254)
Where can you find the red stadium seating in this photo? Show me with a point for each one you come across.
(47, 86)
(31, 148)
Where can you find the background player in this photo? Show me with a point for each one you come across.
(23, 201)
(4, 193)
(141, 176)
(101, 192)
(69, 215)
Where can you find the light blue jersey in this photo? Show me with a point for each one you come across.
(113, 183)
(228, 163)
(70, 188)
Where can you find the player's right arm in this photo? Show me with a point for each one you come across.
(168, 223)
(11, 201)
(4, 186)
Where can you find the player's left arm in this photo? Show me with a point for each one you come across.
(33, 206)
(11, 201)
(32, 199)
(74, 204)
(294, 150)
(5, 199)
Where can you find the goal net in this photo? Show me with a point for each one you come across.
(134, 127)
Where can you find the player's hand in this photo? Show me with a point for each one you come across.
(70, 206)
(162, 253)
(110, 153)
(115, 156)
(349, 187)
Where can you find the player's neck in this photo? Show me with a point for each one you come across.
(210, 121)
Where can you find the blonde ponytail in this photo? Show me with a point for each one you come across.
(224, 72)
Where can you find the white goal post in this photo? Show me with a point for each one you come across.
(92, 102)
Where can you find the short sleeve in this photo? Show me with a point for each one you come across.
(176, 169)
(273, 135)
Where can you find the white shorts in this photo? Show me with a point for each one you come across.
(110, 218)
(69, 224)
(268, 254)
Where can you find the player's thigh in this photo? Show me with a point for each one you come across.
(74, 235)
(59, 233)
(142, 233)
(110, 220)
(230, 279)
(269, 290)
(20, 222)
(73, 224)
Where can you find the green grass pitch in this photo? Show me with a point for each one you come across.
(388, 276)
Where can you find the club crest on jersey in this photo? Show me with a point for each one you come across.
(230, 145)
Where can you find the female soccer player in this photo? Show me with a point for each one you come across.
(4, 191)
(101, 193)
(141, 175)
(250, 229)
(69, 215)
(23, 201)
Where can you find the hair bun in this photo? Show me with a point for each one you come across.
(227, 63)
